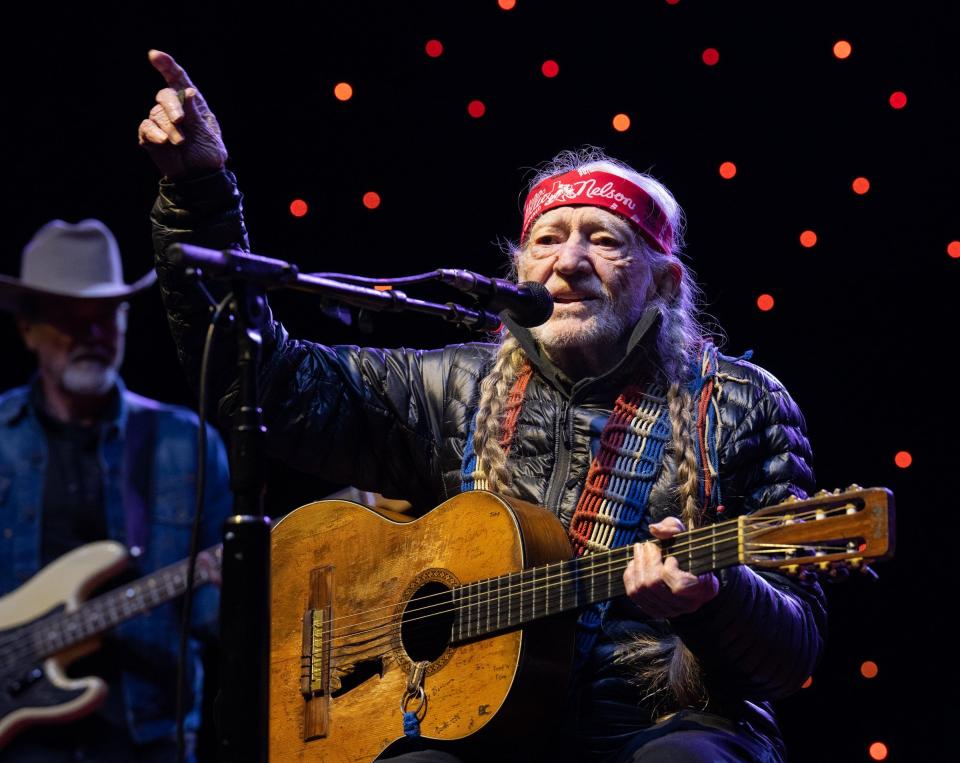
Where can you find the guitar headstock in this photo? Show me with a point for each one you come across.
(826, 533)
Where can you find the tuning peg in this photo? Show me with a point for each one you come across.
(824, 492)
(854, 487)
(839, 572)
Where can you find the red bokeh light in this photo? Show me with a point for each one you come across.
(672, 2)
(861, 186)
(869, 669)
(434, 48)
(728, 170)
(476, 109)
(621, 123)
(343, 91)
(808, 683)
(298, 208)
(507, 5)
(711, 56)
(808, 239)
(903, 459)
(550, 68)
(878, 751)
(371, 199)
(953, 249)
(898, 99)
(765, 302)
(842, 49)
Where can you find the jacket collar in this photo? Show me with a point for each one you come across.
(636, 351)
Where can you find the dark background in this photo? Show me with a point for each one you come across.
(863, 325)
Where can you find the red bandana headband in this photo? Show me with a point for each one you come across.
(600, 189)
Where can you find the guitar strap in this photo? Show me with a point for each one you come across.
(137, 475)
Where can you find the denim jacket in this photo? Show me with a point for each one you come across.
(156, 465)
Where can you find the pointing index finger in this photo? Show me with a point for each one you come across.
(174, 74)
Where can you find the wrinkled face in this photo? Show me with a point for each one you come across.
(80, 352)
(597, 274)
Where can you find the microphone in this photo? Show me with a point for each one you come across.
(528, 304)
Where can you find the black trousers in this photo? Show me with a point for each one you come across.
(685, 738)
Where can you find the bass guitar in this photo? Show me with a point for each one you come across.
(457, 618)
(46, 624)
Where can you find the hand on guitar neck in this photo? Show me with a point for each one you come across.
(657, 585)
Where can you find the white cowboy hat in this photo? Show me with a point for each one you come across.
(74, 264)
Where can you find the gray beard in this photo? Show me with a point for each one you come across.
(88, 377)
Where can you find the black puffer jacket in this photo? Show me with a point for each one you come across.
(397, 421)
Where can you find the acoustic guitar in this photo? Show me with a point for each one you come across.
(464, 618)
(45, 624)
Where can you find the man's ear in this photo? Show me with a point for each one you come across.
(668, 281)
(25, 328)
(123, 312)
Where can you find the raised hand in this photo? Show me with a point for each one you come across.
(658, 586)
(181, 134)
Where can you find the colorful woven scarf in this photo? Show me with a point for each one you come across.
(612, 505)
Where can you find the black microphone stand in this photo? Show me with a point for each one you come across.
(242, 708)
(245, 594)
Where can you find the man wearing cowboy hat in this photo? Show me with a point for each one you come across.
(83, 459)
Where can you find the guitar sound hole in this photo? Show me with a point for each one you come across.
(427, 622)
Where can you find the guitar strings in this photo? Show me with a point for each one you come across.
(20, 643)
(23, 642)
(732, 530)
(535, 586)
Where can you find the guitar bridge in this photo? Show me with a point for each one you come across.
(315, 655)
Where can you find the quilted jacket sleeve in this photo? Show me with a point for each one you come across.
(332, 411)
(762, 636)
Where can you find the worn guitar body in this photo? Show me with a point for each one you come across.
(39, 691)
(364, 569)
(457, 617)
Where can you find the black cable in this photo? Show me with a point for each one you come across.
(195, 531)
(348, 278)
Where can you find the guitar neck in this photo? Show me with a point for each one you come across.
(55, 634)
(508, 601)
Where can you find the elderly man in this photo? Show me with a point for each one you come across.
(682, 667)
(82, 460)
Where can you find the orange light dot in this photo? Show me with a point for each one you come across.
(869, 669)
(343, 91)
(711, 56)
(808, 683)
(550, 69)
(903, 459)
(382, 287)
(728, 170)
(434, 48)
(621, 123)
(878, 751)
(476, 109)
(842, 49)
(507, 5)
(953, 249)
(808, 238)
(861, 186)
(298, 207)
(765, 302)
(898, 99)
(371, 199)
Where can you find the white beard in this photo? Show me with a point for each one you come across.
(88, 376)
(586, 324)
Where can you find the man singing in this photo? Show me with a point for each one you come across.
(683, 666)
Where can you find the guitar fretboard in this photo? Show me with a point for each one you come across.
(54, 634)
(508, 601)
